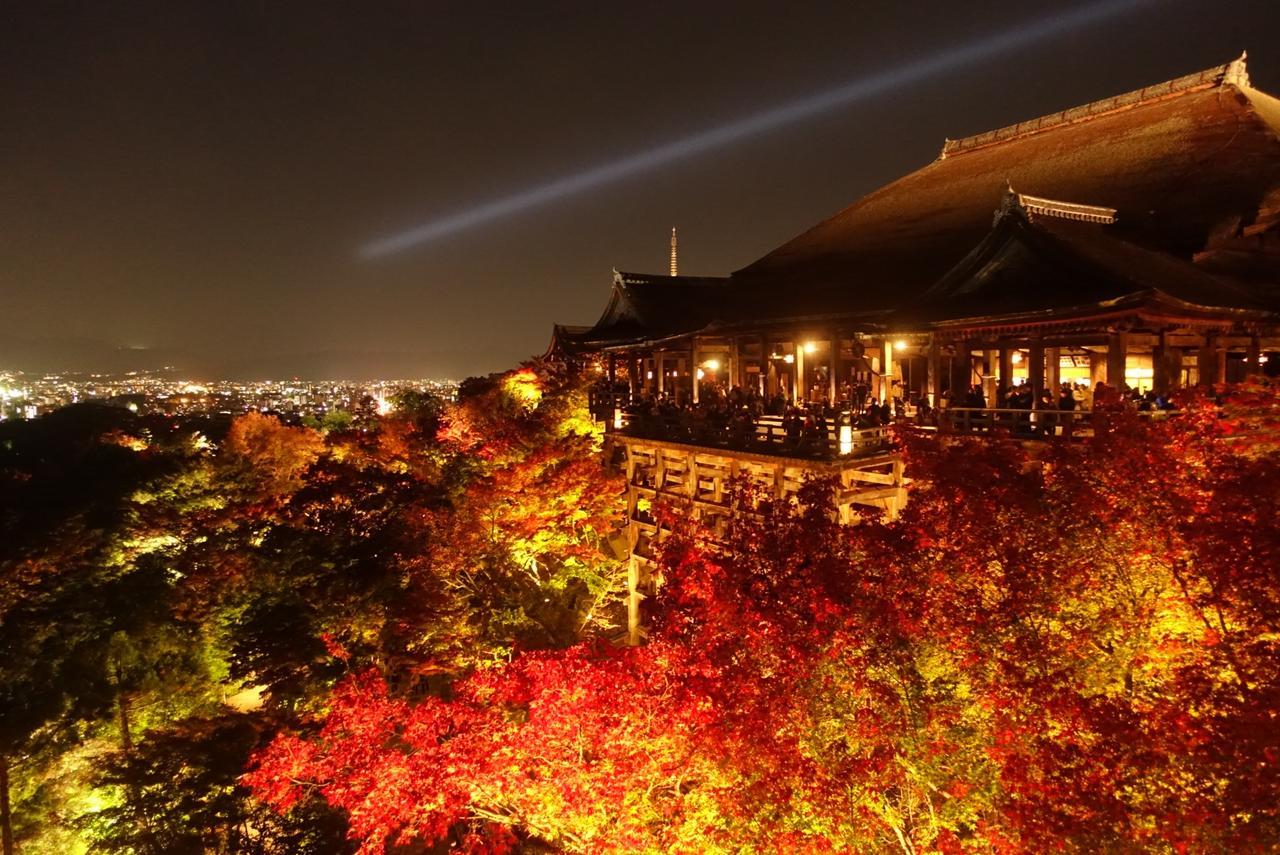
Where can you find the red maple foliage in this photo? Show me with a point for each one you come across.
(1070, 647)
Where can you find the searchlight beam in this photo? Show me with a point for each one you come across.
(751, 126)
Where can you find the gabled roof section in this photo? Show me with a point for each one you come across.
(567, 340)
(1178, 162)
(1037, 206)
(1033, 264)
(645, 307)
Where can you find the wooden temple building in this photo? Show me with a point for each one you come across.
(1133, 241)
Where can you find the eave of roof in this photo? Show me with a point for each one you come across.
(1034, 267)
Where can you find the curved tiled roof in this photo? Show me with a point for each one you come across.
(1183, 171)
(1178, 164)
(643, 307)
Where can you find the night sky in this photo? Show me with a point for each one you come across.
(198, 179)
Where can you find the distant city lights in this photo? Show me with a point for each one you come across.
(28, 396)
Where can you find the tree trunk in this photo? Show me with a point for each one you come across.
(6, 821)
(126, 739)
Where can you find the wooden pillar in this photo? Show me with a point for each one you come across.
(693, 369)
(1035, 371)
(1005, 378)
(934, 370)
(632, 391)
(886, 371)
(1097, 369)
(1207, 361)
(833, 360)
(1052, 369)
(960, 375)
(660, 368)
(1117, 351)
(633, 602)
(989, 360)
(1253, 359)
(1175, 367)
(800, 386)
(765, 362)
(735, 363)
(612, 374)
(1160, 380)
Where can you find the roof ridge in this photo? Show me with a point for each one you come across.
(1233, 73)
(1039, 206)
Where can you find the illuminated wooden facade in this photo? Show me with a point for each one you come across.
(1134, 241)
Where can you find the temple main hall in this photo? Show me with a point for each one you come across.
(1131, 244)
(1133, 241)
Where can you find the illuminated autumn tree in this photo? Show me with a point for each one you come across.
(522, 548)
(1068, 647)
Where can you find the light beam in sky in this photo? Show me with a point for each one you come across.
(777, 117)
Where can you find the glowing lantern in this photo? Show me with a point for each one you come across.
(846, 439)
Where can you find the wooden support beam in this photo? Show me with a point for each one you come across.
(1161, 381)
(933, 381)
(764, 365)
(1035, 371)
(1209, 362)
(735, 363)
(886, 371)
(833, 358)
(693, 369)
(989, 381)
(1005, 378)
(633, 602)
(1253, 357)
(1117, 353)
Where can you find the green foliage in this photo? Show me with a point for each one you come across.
(181, 794)
(159, 575)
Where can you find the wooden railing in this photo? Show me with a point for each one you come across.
(763, 434)
(1030, 424)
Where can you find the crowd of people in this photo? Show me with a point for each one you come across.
(736, 416)
(1068, 396)
(733, 417)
